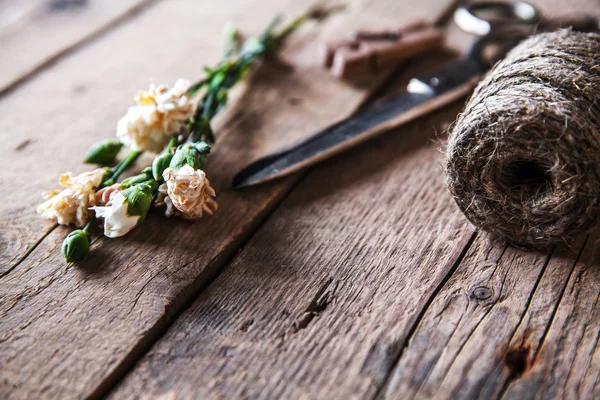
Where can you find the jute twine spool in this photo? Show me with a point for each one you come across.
(523, 160)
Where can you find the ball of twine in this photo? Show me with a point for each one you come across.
(523, 159)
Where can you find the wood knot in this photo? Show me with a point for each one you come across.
(481, 293)
(517, 360)
(247, 324)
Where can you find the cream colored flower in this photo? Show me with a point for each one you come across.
(189, 191)
(117, 222)
(71, 205)
(159, 114)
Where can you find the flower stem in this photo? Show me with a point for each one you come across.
(121, 167)
(234, 67)
(316, 13)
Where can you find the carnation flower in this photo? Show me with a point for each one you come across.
(159, 114)
(125, 209)
(189, 191)
(117, 222)
(71, 205)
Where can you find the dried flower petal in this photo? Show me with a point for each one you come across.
(159, 114)
(189, 191)
(71, 205)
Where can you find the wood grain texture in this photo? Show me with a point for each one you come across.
(356, 288)
(565, 363)
(34, 33)
(484, 327)
(88, 323)
(321, 301)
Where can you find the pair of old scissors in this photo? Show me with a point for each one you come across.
(495, 23)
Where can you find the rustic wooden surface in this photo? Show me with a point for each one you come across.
(358, 279)
(35, 33)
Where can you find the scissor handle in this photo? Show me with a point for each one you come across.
(485, 18)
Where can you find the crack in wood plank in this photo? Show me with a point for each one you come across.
(318, 304)
(462, 345)
(27, 252)
(531, 356)
(560, 299)
(423, 312)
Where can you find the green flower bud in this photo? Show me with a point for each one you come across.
(193, 154)
(139, 198)
(103, 153)
(146, 175)
(160, 163)
(76, 246)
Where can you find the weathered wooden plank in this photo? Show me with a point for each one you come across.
(34, 33)
(564, 361)
(481, 330)
(89, 323)
(321, 300)
(477, 340)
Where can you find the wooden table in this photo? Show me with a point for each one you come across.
(356, 279)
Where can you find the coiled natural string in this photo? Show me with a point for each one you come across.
(523, 160)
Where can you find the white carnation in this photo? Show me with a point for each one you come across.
(117, 222)
(159, 114)
(71, 205)
(189, 191)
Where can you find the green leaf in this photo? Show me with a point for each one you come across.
(217, 79)
(195, 88)
(103, 153)
(202, 130)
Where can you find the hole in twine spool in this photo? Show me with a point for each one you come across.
(528, 179)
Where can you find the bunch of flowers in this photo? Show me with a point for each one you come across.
(175, 124)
